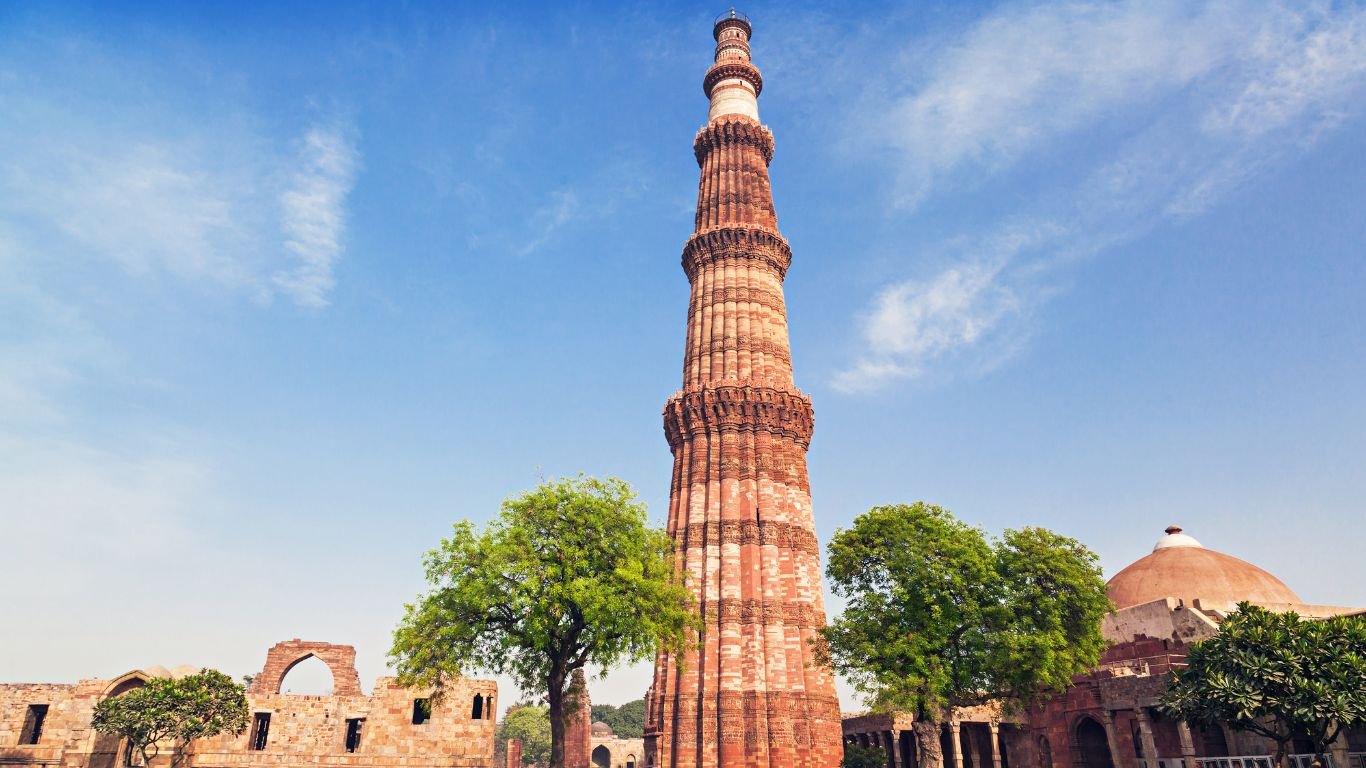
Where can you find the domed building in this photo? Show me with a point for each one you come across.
(1174, 596)
(608, 751)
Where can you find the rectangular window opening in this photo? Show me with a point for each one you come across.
(33, 724)
(353, 726)
(260, 730)
(422, 711)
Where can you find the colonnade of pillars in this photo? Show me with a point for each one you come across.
(902, 750)
(1142, 751)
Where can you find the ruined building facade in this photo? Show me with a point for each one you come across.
(740, 504)
(49, 724)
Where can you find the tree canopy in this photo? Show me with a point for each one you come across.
(531, 724)
(567, 575)
(938, 616)
(177, 711)
(627, 720)
(859, 756)
(1277, 675)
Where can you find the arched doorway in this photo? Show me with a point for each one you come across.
(110, 751)
(1092, 747)
(602, 757)
(1045, 753)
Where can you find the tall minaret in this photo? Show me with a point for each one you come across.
(740, 504)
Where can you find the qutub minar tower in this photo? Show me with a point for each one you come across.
(740, 504)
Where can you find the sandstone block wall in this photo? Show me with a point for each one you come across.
(457, 732)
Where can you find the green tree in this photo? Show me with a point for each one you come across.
(627, 720)
(568, 574)
(859, 756)
(176, 711)
(1277, 675)
(531, 724)
(939, 617)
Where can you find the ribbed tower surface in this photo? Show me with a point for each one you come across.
(740, 503)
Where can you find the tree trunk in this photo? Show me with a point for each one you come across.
(927, 738)
(555, 700)
(1281, 762)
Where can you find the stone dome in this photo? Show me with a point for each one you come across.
(1180, 567)
(602, 729)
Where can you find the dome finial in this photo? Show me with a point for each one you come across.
(1175, 538)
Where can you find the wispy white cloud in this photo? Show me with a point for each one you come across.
(117, 167)
(314, 213)
(1027, 75)
(970, 304)
(1211, 96)
(596, 196)
(558, 211)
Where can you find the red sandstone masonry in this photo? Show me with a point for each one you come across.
(578, 731)
(740, 506)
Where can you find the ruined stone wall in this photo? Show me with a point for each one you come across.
(457, 732)
(312, 730)
(65, 726)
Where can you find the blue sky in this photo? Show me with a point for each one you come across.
(285, 290)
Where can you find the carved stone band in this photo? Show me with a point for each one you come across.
(738, 408)
(769, 613)
(761, 532)
(745, 243)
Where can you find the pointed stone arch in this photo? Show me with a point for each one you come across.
(1092, 744)
(283, 656)
(107, 750)
(313, 667)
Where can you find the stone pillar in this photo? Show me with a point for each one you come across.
(996, 745)
(1117, 755)
(897, 759)
(1231, 741)
(1338, 751)
(514, 753)
(893, 749)
(1187, 743)
(957, 744)
(1145, 734)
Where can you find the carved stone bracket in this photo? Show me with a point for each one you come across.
(738, 408)
(735, 70)
(745, 243)
(732, 130)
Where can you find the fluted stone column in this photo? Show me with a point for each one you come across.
(740, 513)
